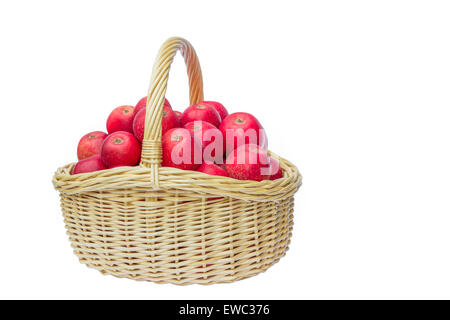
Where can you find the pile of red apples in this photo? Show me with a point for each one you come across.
(204, 138)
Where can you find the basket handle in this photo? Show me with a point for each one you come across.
(151, 156)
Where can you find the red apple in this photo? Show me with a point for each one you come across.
(203, 112)
(179, 115)
(139, 125)
(242, 128)
(143, 102)
(91, 164)
(120, 119)
(119, 165)
(248, 162)
(169, 121)
(90, 144)
(209, 137)
(212, 169)
(121, 148)
(181, 150)
(275, 171)
(223, 112)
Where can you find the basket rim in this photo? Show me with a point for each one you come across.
(180, 180)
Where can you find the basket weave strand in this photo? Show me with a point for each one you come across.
(168, 225)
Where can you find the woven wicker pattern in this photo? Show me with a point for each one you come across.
(168, 225)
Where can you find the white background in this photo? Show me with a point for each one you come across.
(355, 93)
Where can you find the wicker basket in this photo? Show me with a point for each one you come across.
(168, 225)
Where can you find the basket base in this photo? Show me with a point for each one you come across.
(201, 241)
(201, 280)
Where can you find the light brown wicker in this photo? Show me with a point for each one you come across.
(168, 225)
